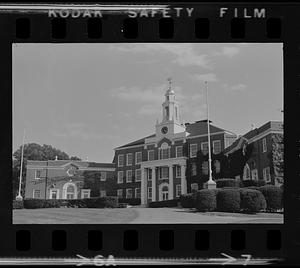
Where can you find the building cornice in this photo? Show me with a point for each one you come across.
(62, 168)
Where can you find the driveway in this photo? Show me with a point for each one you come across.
(136, 215)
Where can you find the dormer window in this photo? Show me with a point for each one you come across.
(164, 151)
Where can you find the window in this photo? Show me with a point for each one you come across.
(178, 171)
(120, 176)
(102, 175)
(176, 113)
(246, 172)
(36, 193)
(178, 190)
(149, 175)
(129, 193)
(129, 176)
(217, 166)
(194, 187)
(194, 169)
(151, 155)
(102, 193)
(193, 150)
(129, 159)
(167, 112)
(120, 193)
(70, 191)
(54, 194)
(205, 167)
(138, 175)
(266, 174)
(37, 174)
(85, 193)
(149, 192)
(254, 174)
(137, 193)
(120, 160)
(164, 151)
(217, 147)
(138, 157)
(163, 172)
(204, 148)
(179, 151)
(264, 144)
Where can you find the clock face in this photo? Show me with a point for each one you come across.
(164, 130)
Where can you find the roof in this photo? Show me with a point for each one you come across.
(60, 163)
(194, 129)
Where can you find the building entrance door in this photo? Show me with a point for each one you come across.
(164, 193)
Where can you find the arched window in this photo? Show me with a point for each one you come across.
(246, 172)
(164, 151)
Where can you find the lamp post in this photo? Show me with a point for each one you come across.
(19, 196)
(210, 184)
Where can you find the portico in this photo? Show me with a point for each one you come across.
(158, 176)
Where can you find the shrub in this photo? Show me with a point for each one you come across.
(227, 183)
(101, 202)
(18, 204)
(130, 201)
(187, 200)
(252, 200)
(228, 200)
(251, 187)
(165, 203)
(273, 196)
(206, 200)
(248, 183)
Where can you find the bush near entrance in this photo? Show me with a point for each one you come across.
(227, 183)
(252, 200)
(228, 200)
(273, 196)
(187, 200)
(165, 203)
(17, 204)
(130, 201)
(248, 183)
(206, 199)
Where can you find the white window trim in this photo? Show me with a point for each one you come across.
(136, 157)
(103, 172)
(120, 156)
(33, 190)
(85, 190)
(181, 151)
(120, 190)
(217, 171)
(177, 168)
(102, 191)
(178, 186)
(127, 189)
(205, 173)
(202, 144)
(127, 177)
(148, 192)
(136, 171)
(127, 164)
(149, 156)
(253, 171)
(264, 145)
(35, 177)
(217, 141)
(191, 145)
(50, 193)
(194, 165)
(122, 177)
(135, 192)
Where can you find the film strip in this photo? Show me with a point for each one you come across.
(186, 243)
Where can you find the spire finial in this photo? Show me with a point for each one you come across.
(170, 82)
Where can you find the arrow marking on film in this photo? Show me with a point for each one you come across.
(228, 260)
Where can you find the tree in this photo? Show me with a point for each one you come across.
(33, 151)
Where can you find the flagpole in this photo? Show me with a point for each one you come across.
(19, 196)
(210, 183)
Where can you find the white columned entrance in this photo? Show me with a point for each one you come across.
(153, 177)
(171, 182)
(183, 180)
(144, 193)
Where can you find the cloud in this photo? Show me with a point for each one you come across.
(183, 54)
(234, 88)
(228, 52)
(209, 77)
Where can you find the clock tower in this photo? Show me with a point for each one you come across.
(171, 121)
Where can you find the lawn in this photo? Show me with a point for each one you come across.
(136, 215)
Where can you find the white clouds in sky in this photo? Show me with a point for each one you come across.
(184, 54)
(234, 88)
(209, 77)
(228, 51)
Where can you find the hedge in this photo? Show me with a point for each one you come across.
(206, 200)
(94, 202)
(273, 196)
(187, 200)
(252, 200)
(165, 203)
(227, 183)
(130, 201)
(18, 204)
(228, 200)
(248, 183)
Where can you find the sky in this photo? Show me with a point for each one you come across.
(87, 99)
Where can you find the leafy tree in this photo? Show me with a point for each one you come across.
(33, 151)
